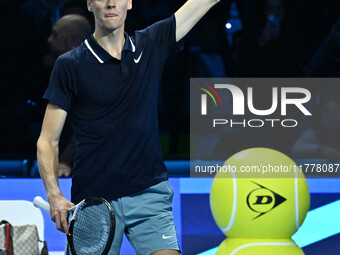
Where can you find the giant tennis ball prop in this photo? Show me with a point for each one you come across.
(234, 246)
(264, 205)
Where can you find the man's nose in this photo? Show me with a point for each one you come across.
(111, 3)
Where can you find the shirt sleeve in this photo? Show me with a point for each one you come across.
(163, 33)
(61, 90)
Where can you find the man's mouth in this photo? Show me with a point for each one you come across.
(111, 15)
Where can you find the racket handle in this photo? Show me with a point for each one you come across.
(41, 203)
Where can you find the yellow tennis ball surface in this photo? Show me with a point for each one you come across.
(232, 246)
(258, 205)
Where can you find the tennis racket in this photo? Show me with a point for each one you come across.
(92, 225)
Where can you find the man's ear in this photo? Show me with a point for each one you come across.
(129, 4)
(89, 5)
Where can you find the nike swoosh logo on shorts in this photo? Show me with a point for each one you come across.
(166, 237)
(138, 59)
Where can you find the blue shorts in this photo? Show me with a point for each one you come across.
(146, 219)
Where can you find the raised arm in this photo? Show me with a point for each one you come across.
(189, 14)
(47, 154)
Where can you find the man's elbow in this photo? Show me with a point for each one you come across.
(41, 144)
(44, 144)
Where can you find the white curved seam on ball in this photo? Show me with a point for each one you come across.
(261, 244)
(233, 214)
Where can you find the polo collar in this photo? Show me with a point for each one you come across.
(102, 55)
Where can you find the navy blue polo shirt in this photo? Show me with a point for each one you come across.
(112, 105)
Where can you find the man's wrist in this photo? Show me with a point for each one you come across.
(53, 193)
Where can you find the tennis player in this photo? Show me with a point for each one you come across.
(109, 86)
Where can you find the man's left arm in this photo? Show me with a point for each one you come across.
(189, 14)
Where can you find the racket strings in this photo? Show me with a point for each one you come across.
(91, 229)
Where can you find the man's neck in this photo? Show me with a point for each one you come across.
(112, 42)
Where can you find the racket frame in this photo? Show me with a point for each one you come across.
(75, 209)
(72, 215)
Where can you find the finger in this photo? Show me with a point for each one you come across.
(64, 222)
(61, 171)
(58, 222)
(53, 217)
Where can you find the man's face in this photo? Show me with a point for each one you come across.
(58, 39)
(109, 14)
(275, 7)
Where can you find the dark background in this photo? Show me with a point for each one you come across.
(211, 50)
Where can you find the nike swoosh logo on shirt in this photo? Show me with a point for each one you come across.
(138, 59)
